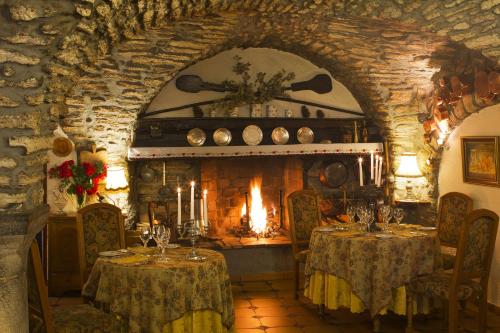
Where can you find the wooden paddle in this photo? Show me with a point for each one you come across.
(321, 84)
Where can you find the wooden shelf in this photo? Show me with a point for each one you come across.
(171, 132)
(140, 153)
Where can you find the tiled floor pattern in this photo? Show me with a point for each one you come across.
(269, 307)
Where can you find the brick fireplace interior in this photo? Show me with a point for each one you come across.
(228, 179)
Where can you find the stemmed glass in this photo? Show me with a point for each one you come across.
(161, 235)
(145, 235)
(399, 215)
(364, 217)
(350, 212)
(386, 211)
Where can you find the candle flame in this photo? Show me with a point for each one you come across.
(178, 190)
(192, 184)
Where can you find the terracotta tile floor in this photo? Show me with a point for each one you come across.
(269, 307)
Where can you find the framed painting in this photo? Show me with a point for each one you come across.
(480, 160)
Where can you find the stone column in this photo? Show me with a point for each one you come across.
(17, 231)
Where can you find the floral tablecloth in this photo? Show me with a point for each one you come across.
(373, 266)
(151, 294)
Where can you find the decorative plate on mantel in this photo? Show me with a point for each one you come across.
(222, 137)
(280, 136)
(305, 135)
(196, 137)
(252, 135)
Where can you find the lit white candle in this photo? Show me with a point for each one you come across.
(360, 160)
(205, 209)
(375, 172)
(179, 206)
(379, 178)
(191, 212)
(164, 174)
(372, 176)
(200, 220)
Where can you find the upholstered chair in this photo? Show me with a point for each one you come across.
(81, 318)
(99, 228)
(470, 274)
(453, 209)
(304, 215)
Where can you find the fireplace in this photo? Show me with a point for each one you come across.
(258, 184)
(232, 185)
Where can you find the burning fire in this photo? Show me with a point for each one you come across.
(258, 213)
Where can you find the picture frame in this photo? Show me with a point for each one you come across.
(480, 164)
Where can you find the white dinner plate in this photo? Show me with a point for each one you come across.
(384, 236)
(326, 228)
(111, 253)
(427, 228)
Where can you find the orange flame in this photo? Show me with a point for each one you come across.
(258, 213)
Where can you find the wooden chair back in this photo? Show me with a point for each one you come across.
(38, 299)
(475, 248)
(453, 210)
(304, 215)
(99, 228)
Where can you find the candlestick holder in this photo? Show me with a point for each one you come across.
(193, 229)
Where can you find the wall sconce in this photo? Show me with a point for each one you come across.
(408, 168)
(116, 179)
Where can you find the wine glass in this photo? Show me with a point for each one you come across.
(145, 235)
(161, 235)
(386, 211)
(399, 215)
(350, 212)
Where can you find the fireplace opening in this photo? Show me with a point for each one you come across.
(250, 194)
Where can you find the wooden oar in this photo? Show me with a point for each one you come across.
(320, 84)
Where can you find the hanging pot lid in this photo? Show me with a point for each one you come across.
(333, 173)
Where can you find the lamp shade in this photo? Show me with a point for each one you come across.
(408, 166)
(116, 178)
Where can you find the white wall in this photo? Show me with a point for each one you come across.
(270, 61)
(484, 123)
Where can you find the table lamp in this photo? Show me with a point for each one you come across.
(408, 168)
(116, 179)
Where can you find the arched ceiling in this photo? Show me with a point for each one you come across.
(88, 52)
(385, 66)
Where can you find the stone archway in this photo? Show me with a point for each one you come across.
(46, 47)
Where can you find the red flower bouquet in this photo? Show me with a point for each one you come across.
(79, 179)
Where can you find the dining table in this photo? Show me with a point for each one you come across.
(173, 295)
(368, 271)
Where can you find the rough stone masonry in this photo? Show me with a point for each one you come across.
(92, 65)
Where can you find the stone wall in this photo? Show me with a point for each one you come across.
(50, 51)
(48, 47)
(92, 65)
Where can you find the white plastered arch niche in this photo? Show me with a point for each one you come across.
(270, 61)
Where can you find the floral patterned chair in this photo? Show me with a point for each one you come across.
(81, 318)
(470, 274)
(99, 228)
(453, 209)
(304, 215)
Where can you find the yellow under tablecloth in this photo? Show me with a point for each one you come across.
(335, 293)
(198, 322)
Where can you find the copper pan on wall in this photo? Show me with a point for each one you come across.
(333, 173)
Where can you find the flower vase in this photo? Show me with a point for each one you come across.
(80, 200)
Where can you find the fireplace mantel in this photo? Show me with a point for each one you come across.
(141, 153)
